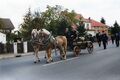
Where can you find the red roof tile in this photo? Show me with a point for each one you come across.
(95, 23)
(78, 16)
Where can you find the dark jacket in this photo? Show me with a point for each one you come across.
(73, 35)
(104, 37)
(117, 36)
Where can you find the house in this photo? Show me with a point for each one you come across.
(92, 26)
(7, 26)
(2, 38)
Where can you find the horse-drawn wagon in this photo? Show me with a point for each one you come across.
(82, 43)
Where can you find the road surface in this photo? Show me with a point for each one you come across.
(101, 65)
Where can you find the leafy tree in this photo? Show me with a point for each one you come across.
(11, 37)
(63, 24)
(57, 19)
(70, 16)
(26, 26)
(115, 28)
(54, 19)
(103, 20)
(1, 24)
(81, 28)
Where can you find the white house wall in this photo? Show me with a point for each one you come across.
(87, 25)
(91, 32)
(2, 38)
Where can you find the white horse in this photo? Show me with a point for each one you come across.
(35, 44)
(44, 38)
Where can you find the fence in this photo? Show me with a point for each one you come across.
(16, 48)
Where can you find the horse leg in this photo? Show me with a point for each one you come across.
(61, 53)
(36, 55)
(49, 58)
(65, 51)
(64, 45)
(64, 54)
(45, 56)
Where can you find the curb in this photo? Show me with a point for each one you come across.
(13, 55)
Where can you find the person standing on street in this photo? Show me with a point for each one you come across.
(117, 39)
(98, 36)
(104, 39)
(112, 38)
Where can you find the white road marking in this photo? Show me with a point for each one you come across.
(57, 62)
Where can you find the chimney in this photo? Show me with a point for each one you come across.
(89, 18)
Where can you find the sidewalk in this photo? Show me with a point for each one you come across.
(12, 55)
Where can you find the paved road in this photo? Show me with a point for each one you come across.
(101, 65)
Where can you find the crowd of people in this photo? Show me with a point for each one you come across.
(101, 38)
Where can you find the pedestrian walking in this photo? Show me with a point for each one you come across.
(112, 38)
(98, 37)
(104, 39)
(117, 38)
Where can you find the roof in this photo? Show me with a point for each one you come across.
(78, 16)
(96, 23)
(7, 24)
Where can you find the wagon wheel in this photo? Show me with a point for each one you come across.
(90, 48)
(77, 50)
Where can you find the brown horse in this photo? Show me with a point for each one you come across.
(44, 38)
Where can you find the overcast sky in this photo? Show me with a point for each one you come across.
(16, 9)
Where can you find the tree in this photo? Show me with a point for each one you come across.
(63, 24)
(56, 20)
(81, 28)
(70, 16)
(1, 24)
(103, 20)
(115, 28)
(26, 26)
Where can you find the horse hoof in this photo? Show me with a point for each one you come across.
(64, 59)
(61, 58)
(45, 57)
(47, 62)
(51, 60)
(35, 62)
(38, 60)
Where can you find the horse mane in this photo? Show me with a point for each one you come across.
(45, 31)
(34, 33)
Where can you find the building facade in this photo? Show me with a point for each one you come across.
(92, 26)
(2, 38)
